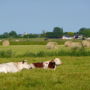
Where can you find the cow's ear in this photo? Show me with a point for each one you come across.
(23, 61)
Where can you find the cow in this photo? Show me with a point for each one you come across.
(47, 64)
(13, 66)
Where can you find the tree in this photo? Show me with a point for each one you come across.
(49, 35)
(58, 32)
(70, 34)
(85, 32)
(1, 36)
(13, 34)
(6, 35)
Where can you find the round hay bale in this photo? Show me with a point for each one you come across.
(51, 45)
(76, 45)
(6, 43)
(67, 43)
(86, 43)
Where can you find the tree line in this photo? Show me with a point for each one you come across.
(57, 32)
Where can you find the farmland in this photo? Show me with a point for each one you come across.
(72, 75)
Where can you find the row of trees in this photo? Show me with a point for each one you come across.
(9, 35)
(56, 33)
(13, 34)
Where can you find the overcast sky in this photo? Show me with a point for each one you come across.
(34, 16)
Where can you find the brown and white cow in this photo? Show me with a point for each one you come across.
(47, 64)
(13, 66)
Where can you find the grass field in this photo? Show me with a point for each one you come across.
(74, 74)
(36, 41)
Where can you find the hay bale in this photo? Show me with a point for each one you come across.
(6, 43)
(51, 45)
(76, 45)
(67, 43)
(86, 43)
(17, 40)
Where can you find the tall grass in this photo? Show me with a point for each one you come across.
(80, 52)
(8, 54)
(41, 51)
(74, 74)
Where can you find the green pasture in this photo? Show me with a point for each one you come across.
(36, 41)
(74, 74)
(20, 49)
(41, 50)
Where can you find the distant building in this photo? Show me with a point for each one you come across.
(79, 37)
(67, 37)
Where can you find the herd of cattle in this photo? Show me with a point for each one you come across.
(18, 66)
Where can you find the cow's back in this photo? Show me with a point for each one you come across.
(8, 67)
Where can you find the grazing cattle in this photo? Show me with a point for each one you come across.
(14, 66)
(47, 64)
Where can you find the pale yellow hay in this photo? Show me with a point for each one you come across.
(67, 43)
(86, 43)
(5, 43)
(76, 45)
(51, 45)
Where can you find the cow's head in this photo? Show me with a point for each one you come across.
(23, 65)
(57, 61)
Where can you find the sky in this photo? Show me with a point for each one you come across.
(34, 16)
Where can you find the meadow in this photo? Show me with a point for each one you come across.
(72, 75)
(36, 41)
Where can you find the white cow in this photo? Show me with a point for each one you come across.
(14, 66)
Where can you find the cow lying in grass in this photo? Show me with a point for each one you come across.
(47, 64)
(14, 66)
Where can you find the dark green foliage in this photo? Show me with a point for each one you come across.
(70, 34)
(85, 32)
(13, 34)
(6, 35)
(57, 33)
(50, 35)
